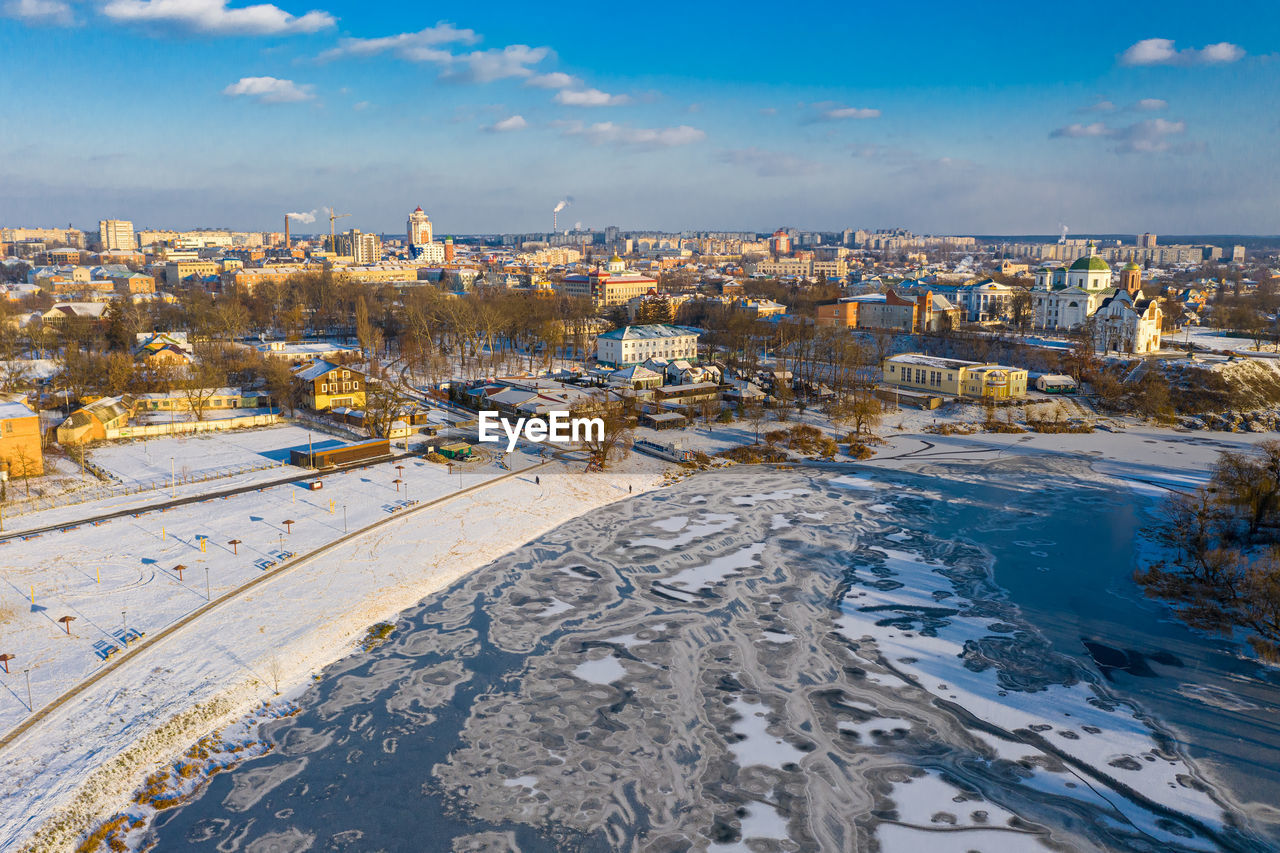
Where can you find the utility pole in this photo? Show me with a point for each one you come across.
(30, 705)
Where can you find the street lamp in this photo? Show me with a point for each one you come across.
(30, 705)
(207, 597)
(344, 518)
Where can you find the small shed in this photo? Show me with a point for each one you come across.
(1055, 383)
(663, 420)
(457, 450)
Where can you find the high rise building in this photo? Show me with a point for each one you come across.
(360, 247)
(1237, 254)
(1146, 241)
(419, 228)
(116, 235)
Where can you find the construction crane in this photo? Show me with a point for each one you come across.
(333, 239)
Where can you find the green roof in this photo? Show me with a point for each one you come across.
(1132, 266)
(1091, 263)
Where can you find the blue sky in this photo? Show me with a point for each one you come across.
(1003, 118)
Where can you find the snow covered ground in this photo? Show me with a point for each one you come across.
(186, 457)
(119, 579)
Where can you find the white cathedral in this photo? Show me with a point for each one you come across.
(1082, 296)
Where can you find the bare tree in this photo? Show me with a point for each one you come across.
(615, 440)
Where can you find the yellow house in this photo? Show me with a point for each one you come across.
(326, 385)
(915, 371)
(21, 453)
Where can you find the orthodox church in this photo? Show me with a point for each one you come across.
(1082, 295)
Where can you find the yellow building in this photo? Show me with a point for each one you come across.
(20, 446)
(176, 272)
(915, 371)
(326, 385)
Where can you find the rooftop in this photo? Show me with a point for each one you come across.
(651, 331)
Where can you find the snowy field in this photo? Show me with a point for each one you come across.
(119, 579)
(210, 453)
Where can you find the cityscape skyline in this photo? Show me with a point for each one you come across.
(947, 122)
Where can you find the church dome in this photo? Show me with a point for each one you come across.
(1091, 263)
(615, 260)
(1131, 266)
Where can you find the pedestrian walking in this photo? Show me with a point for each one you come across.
(537, 481)
(628, 488)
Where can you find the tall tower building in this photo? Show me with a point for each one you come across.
(448, 250)
(1131, 278)
(116, 235)
(360, 247)
(1146, 241)
(419, 228)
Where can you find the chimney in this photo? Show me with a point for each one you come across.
(555, 221)
(286, 233)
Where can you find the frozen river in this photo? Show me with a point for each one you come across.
(948, 659)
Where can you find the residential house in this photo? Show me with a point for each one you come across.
(63, 312)
(91, 421)
(215, 399)
(163, 348)
(21, 452)
(326, 385)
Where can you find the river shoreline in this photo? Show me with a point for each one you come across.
(304, 643)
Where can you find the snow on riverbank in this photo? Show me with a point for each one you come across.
(85, 759)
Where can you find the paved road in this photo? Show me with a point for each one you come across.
(150, 642)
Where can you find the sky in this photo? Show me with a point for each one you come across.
(940, 117)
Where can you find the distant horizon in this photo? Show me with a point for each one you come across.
(440, 235)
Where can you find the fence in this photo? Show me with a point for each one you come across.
(183, 427)
(93, 491)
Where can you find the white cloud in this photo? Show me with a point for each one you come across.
(1148, 136)
(508, 124)
(1148, 105)
(269, 90)
(485, 66)
(589, 98)
(422, 46)
(214, 17)
(842, 113)
(553, 80)
(360, 106)
(1076, 131)
(1144, 137)
(606, 132)
(1102, 106)
(53, 12)
(1163, 52)
(432, 45)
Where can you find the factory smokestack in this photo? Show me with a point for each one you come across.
(286, 233)
(555, 213)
